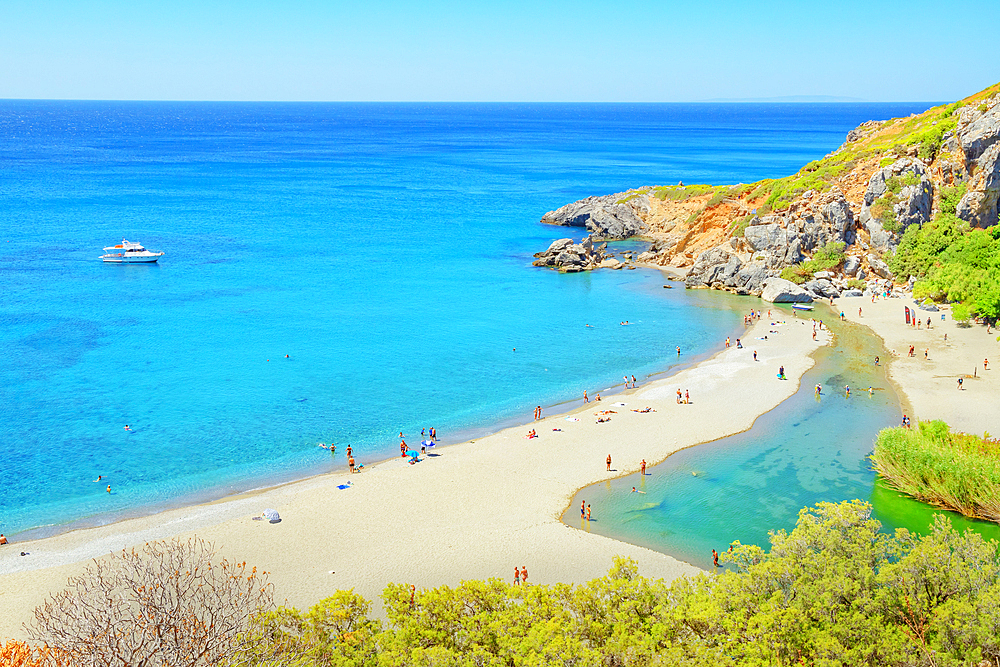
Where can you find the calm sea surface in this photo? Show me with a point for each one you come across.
(385, 248)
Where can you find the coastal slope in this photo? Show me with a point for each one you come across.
(856, 202)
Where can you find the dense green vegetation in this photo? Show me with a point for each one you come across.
(956, 471)
(824, 259)
(835, 591)
(953, 263)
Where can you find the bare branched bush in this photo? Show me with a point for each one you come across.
(166, 604)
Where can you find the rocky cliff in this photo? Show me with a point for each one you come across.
(849, 208)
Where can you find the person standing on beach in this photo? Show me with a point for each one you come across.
(626, 381)
(678, 350)
(434, 433)
(959, 384)
(517, 576)
(633, 382)
(687, 397)
(609, 462)
(585, 399)
(678, 396)
(715, 558)
(642, 467)
(727, 341)
(350, 463)
(524, 574)
(755, 355)
(588, 512)
(583, 509)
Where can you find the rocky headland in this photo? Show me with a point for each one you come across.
(826, 231)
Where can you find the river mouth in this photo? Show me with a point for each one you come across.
(809, 449)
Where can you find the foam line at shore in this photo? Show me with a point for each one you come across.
(470, 511)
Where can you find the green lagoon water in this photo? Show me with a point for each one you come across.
(805, 451)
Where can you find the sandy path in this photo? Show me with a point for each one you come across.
(930, 386)
(473, 511)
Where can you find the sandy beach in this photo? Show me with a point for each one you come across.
(929, 385)
(467, 511)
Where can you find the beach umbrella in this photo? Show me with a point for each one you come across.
(427, 443)
(413, 454)
(271, 515)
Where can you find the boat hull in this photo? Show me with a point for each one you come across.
(131, 260)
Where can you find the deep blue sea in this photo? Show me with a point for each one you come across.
(385, 248)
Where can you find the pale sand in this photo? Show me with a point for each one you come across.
(473, 512)
(930, 387)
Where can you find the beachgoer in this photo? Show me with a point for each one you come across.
(633, 489)
(524, 574)
(819, 390)
(588, 512)
(755, 355)
(350, 463)
(434, 433)
(402, 449)
(715, 558)
(781, 372)
(633, 382)
(583, 509)
(609, 462)
(286, 356)
(687, 397)
(350, 452)
(678, 350)
(642, 466)
(625, 377)
(99, 478)
(847, 388)
(3, 539)
(585, 399)
(946, 338)
(727, 341)
(597, 398)
(127, 427)
(871, 391)
(876, 360)
(109, 488)
(678, 396)
(859, 312)
(986, 364)
(960, 383)
(517, 576)
(739, 345)
(926, 350)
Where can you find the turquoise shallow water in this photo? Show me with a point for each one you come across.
(805, 451)
(385, 248)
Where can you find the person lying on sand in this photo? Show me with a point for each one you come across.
(603, 419)
(645, 409)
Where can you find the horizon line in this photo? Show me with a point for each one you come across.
(788, 99)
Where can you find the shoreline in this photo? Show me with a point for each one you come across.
(407, 523)
(227, 491)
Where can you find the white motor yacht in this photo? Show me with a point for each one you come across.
(127, 252)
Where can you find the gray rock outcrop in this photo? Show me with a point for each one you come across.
(779, 246)
(911, 204)
(721, 269)
(822, 289)
(851, 265)
(979, 206)
(570, 257)
(614, 216)
(779, 290)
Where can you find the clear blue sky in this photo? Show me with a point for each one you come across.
(505, 50)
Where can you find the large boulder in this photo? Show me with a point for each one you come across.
(829, 219)
(851, 265)
(822, 288)
(879, 267)
(617, 216)
(779, 290)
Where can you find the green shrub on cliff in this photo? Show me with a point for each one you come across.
(835, 591)
(954, 263)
